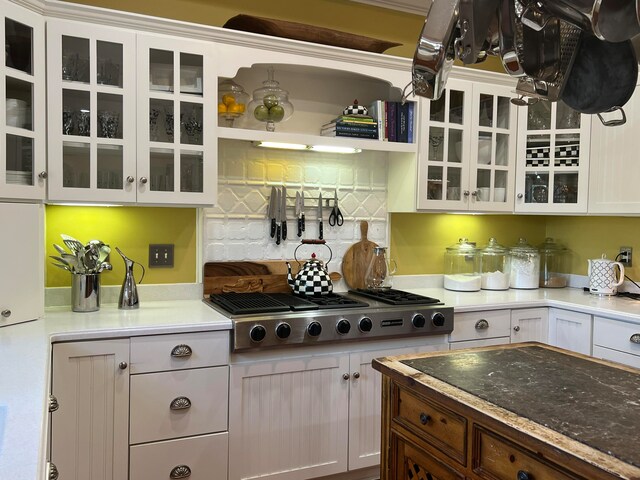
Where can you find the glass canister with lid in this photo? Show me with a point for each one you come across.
(495, 265)
(462, 267)
(553, 264)
(525, 265)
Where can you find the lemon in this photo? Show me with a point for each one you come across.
(222, 108)
(236, 108)
(228, 99)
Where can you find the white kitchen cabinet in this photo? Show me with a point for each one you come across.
(530, 325)
(22, 103)
(476, 329)
(570, 330)
(552, 174)
(21, 255)
(616, 340)
(90, 429)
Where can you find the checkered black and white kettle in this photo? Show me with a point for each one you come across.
(313, 278)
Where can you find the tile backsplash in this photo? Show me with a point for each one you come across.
(237, 228)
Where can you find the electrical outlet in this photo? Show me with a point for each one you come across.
(161, 256)
(625, 256)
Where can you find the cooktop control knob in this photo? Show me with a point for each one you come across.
(283, 330)
(343, 327)
(257, 333)
(418, 320)
(365, 324)
(438, 319)
(314, 329)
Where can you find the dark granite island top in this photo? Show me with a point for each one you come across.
(584, 407)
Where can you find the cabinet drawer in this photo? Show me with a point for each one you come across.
(435, 424)
(616, 356)
(416, 464)
(201, 396)
(616, 334)
(495, 457)
(158, 353)
(479, 325)
(205, 457)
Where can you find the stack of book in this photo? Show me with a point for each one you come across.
(396, 120)
(355, 126)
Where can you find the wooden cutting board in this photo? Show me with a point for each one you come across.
(357, 258)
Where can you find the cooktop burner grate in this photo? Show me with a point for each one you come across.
(396, 297)
(239, 303)
(334, 300)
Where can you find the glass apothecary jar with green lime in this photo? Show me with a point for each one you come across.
(271, 103)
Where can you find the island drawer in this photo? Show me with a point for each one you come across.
(417, 464)
(495, 457)
(437, 425)
(158, 353)
(481, 325)
(617, 335)
(178, 404)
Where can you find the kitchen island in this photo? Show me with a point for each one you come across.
(522, 411)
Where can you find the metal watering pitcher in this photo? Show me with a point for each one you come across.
(129, 293)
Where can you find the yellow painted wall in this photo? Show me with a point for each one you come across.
(131, 229)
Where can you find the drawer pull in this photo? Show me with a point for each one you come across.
(522, 475)
(53, 472)
(482, 324)
(180, 403)
(424, 418)
(635, 338)
(181, 471)
(181, 351)
(516, 328)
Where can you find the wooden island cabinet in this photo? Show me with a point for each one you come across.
(523, 411)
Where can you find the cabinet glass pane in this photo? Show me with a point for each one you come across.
(504, 112)
(76, 165)
(75, 59)
(18, 45)
(436, 139)
(567, 151)
(161, 70)
(500, 186)
(436, 108)
(191, 123)
(456, 106)
(110, 167)
(539, 116)
(455, 146)
(191, 171)
(536, 186)
(191, 73)
(502, 149)
(566, 117)
(161, 169)
(454, 180)
(19, 155)
(486, 111)
(109, 67)
(483, 184)
(109, 115)
(565, 187)
(76, 116)
(19, 103)
(434, 183)
(538, 150)
(485, 142)
(160, 120)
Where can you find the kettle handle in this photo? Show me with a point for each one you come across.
(621, 267)
(143, 272)
(313, 242)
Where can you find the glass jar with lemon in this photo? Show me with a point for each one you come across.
(232, 101)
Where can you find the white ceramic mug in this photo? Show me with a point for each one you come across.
(602, 276)
(499, 194)
(484, 194)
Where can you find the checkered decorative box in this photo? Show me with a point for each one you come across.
(537, 162)
(567, 151)
(355, 109)
(566, 162)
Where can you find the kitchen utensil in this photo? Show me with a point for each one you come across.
(271, 213)
(278, 217)
(302, 211)
(475, 18)
(380, 270)
(320, 228)
(298, 211)
(336, 217)
(62, 266)
(313, 278)
(507, 34)
(59, 249)
(283, 212)
(72, 244)
(129, 293)
(603, 279)
(357, 258)
(541, 51)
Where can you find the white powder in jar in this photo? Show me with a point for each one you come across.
(462, 282)
(525, 272)
(495, 281)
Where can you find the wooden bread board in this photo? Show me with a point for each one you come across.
(243, 277)
(356, 259)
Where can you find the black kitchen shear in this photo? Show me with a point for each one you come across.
(336, 217)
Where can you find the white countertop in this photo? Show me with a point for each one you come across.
(25, 349)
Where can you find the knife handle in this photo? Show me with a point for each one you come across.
(320, 231)
(299, 227)
(273, 227)
(302, 222)
(278, 235)
(284, 230)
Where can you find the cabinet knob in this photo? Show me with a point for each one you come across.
(482, 324)
(522, 475)
(520, 195)
(516, 328)
(466, 193)
(346, 376)
(43, 175)
(180, 403)
(143, 180)
(123, 365)
(6, 313)
(130, 179)
(181, 471)
(424, 418)
(635, 338)
(356, 375)
(181, 351)
(474, 193)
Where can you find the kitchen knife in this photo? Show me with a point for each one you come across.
(320, 230)
(302, 210)
(271, 214)
(283, 213)
(299, 213)
(278, 216)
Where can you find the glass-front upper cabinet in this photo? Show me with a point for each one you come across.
(553, 159)
(92, 113)
(177, 97)
(22, 103)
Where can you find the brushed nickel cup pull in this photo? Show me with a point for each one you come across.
(482, 324)
(635, 338)
(346, 376)
(181, 351)
(181, 471)
(53, 403)
(180, 403)
(53, 471)
(516, 328)
(123, 365)
(43, 175)
(6, 313)
(356, 375)
(143, 180)
(130, 179)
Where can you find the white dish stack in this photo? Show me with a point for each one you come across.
(17, 111)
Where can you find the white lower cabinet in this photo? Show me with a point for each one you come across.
(480, 329)
(570, 330)
(530, 325)
(616, 340)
